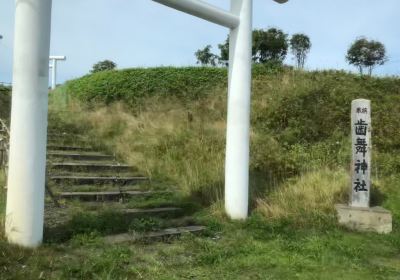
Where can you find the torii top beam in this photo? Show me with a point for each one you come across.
(203, 10)
(206, 11)
(57, 57)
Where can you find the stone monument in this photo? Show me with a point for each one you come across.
(358, 215)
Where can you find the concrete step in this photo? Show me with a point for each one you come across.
(91, 167)
(55, 147)
(101, 187)
(68, 142)
(83, 180)
(105, 195)
(61, 135)
(79, 156)
(165, 233)
(134, 212)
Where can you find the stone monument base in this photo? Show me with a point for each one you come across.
(375, 219)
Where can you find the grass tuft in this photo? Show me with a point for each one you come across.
(311, 194)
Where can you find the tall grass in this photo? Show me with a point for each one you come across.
(169, 141)
(311, 194)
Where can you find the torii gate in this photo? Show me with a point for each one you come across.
(27, 162)
(53, 67)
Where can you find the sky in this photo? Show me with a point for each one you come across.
(143, 33)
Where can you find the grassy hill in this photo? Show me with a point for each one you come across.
(170, 123)
(300, 122)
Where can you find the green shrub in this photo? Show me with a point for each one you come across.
(132, 84)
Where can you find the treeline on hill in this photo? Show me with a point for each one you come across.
(268, 46)
(272, 45)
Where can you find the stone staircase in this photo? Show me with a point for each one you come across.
(78, 174)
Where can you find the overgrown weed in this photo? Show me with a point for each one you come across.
(309, 195)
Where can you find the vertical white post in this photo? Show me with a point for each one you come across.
(54, 59)
(53, 73)
(27, 163)
(238, 120)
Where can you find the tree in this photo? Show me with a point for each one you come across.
(205, 57)
(223, 59)
(300, 46)
(104, 65)
(269, 45)
(366, 54)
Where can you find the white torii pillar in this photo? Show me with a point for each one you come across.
(27, 162)
(53, 66)
(239, 20)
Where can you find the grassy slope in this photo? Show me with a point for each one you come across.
(299, 157)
